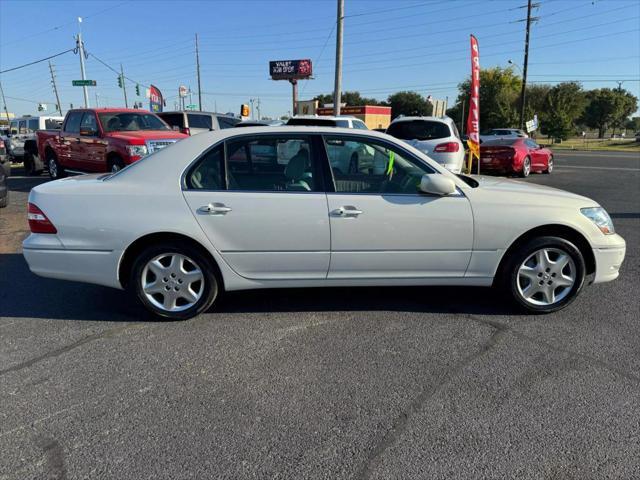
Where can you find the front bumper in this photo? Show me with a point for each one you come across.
(609, 259)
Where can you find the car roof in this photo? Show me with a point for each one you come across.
(443, 119)
(327, 117)
(198, 112)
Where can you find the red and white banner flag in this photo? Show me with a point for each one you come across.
(473, 120)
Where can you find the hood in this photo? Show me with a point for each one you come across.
(518, 191)
(146, 135)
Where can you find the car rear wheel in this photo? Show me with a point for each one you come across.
(56, 170)
(544, 275)
(526, 167)
(549, 166)
(174, 282)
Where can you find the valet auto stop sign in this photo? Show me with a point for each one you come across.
(290, 69)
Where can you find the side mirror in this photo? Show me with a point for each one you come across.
(437, 184)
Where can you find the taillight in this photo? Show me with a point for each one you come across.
(448, 147)
(1, 144)
(186, 131)
(38, 221)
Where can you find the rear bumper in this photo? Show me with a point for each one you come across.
(609, 260)
(47, 258)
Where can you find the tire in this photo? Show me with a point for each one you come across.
(56, 171)
(524, 275)
(29, 164)
(172, 268)
(526, 167)
(4, 201)
(115, 164)
(353, 163)
(549, 166)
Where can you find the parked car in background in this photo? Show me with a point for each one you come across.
(23, 129)
(229, 210)
(519, 156)
(506, 132)
(192, 123)
(437, 137)
(100, 140)
(342, 121)
(5, 171)
(259, 123)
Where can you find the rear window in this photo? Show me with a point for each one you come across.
(501, 142)
(342, 123)
(173, 119)
(199, 121)
(227, 122)
(419, 130)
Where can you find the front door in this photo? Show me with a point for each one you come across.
(71, 148)
(383, 227)
(260, 200)
(91, 148)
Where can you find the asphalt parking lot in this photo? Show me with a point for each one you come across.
(377, 383)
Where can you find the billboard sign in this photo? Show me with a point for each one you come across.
(155, 99)
(290, 69)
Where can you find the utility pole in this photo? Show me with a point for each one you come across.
(80, 47)
(124, 87)
(258, 108)
(338, 83)
(530, 5)
(198, 71)
(55, 89)
(4, 102)
(97, 103)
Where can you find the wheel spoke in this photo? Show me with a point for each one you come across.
(548, 294)
(528, 272)
(157, 268)
(541, 259)
(564, 281)
(561, 262)
(192, 276)
(169, 300)
(188, 295)
(154, 287)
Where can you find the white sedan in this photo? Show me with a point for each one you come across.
(222, 211)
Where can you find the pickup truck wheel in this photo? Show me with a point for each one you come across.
(56, 170)
(115, 164)
(29, 164)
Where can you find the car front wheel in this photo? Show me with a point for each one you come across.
(545, 274)
(174, 282)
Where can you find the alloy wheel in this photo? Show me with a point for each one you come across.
(550, 165)
(172, 282)
(546, 277)
(53, 168)
(526, 167)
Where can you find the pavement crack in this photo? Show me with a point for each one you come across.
(67, 348)
(399, 425)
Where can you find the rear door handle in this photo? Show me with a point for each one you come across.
(214, 209)
(346, 211)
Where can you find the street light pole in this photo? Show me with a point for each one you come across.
(198, 71)
(338, 82)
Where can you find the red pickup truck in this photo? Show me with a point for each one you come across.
(98, 140)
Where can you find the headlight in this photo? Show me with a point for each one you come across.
(600, 217)
(137, 150)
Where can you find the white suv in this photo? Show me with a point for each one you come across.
(437, 137)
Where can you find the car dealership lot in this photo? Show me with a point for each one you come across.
(325, 383)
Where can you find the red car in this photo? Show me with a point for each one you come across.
(519, 156)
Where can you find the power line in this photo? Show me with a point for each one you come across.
(37, 61)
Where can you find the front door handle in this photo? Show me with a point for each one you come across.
(215, 209)
(346, 211)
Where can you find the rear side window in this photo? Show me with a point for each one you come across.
(199, 121)
(207, 173)
(22, 126)
(360, 125)
(173, 119)
(227, 122)
(271, 164)
(51, 124)
(33, 125)
(419, 130)
(73, 122)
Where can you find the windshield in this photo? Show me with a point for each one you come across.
(130, 122)
(419, 130)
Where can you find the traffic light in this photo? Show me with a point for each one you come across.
(244, 110)
(137, 89)
(120, 81)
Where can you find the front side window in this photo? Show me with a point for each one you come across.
(199, 121)
(73, 122)
(207, 173)
(270, 163)
(371, 166)
(88, 125)
(131, 121)
(419, 130)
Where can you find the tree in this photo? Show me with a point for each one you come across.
(608, 108)
(499, 98)
(633, 124)
(409, 103)
(564, 103)
(350, 98)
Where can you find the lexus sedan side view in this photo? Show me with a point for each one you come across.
(261, 207)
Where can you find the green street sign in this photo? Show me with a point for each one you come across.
(190, 107)
(83, 83)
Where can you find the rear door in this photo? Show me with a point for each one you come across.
(260, 200)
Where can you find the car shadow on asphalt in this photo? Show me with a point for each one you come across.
(18, 182)
(25, 295)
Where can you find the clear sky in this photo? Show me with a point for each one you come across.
(388, 46)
